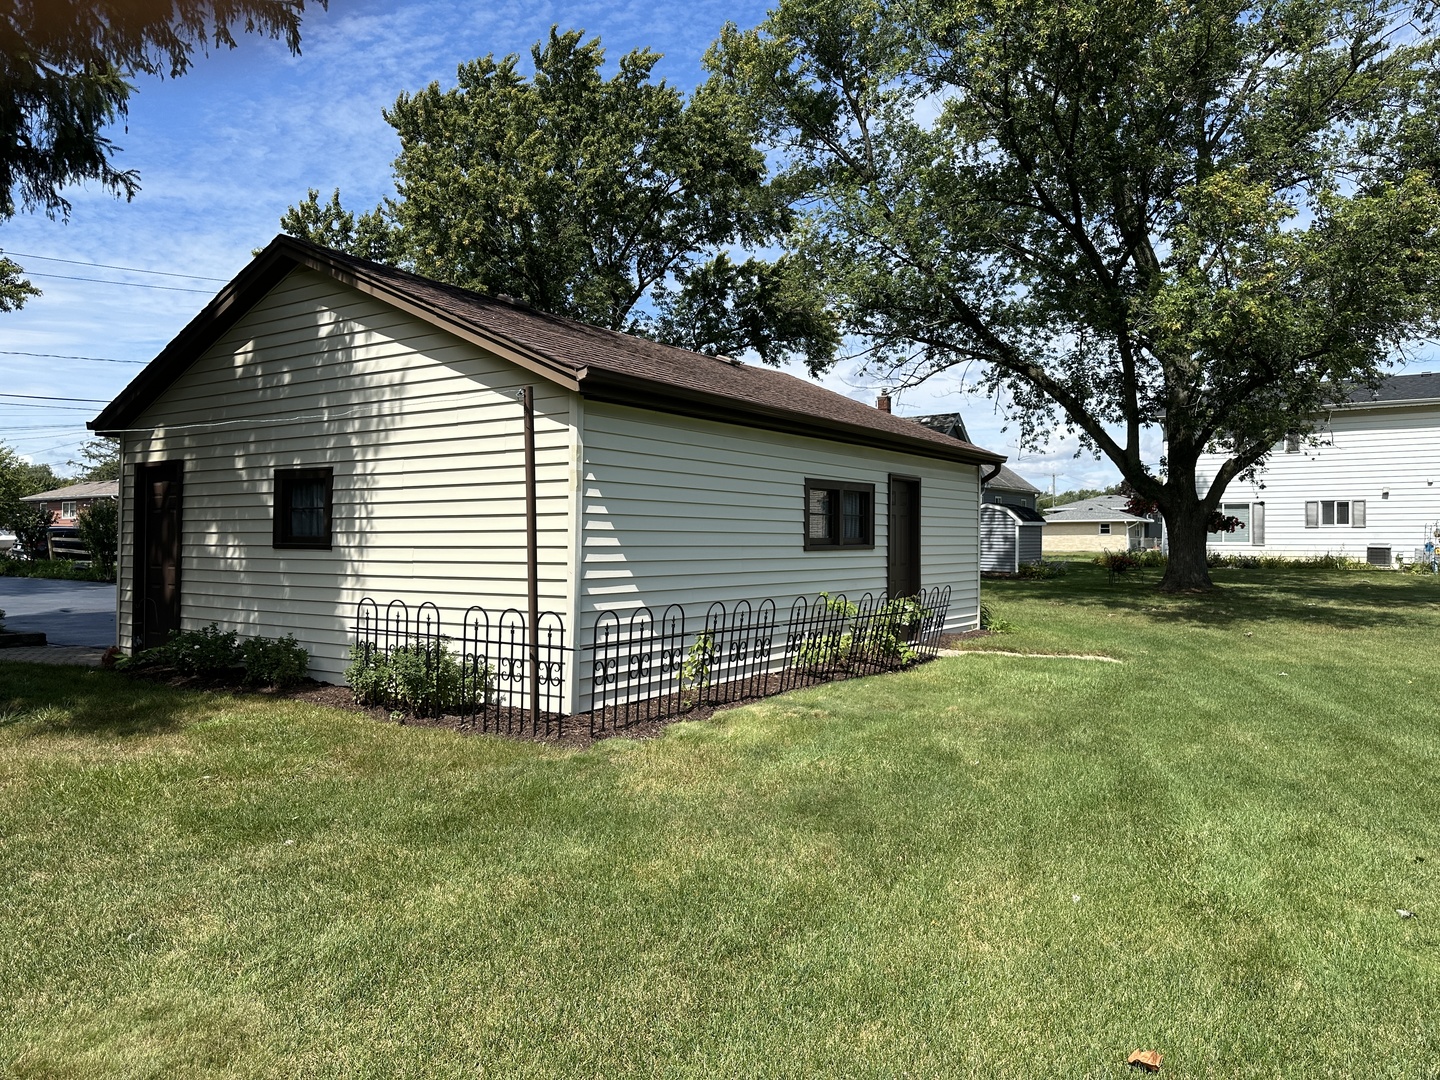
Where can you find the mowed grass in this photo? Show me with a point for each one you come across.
(987, 866)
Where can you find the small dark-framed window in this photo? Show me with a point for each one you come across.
(303, 503)
(839, 514)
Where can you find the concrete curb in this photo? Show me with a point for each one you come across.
(79, 655)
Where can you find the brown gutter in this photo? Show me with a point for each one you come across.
(532, 549)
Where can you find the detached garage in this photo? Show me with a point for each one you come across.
(332, 444)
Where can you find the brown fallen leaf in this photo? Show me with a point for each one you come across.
(1149, 1060)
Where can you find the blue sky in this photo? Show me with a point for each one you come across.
(223, 151)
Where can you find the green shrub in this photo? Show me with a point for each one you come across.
(367, 675)
(55, 569)
(1235, 561)
(421, 678)
(992, 621)
(31, 526)
(274, 661)
(1117, 562)
(884, 637)
(99, 528)
(888, 637)
(699, 663)
(213, 653)
(208, 653)
(1042, 570)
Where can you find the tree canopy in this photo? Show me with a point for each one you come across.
(617, 201)
(66, 71)
(1208, 216)
(19, 478)
(99, 460)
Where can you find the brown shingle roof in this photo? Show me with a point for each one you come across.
(599, 363)
(86, 489)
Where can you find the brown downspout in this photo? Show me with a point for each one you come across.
(991, 474)
(532, 549)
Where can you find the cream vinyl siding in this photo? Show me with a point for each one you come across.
(425, 439)
(1073, 536)
(687, 511)
(1363, 453)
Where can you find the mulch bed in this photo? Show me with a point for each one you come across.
(576, 729)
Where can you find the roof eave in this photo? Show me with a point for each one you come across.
(617, 389)
(1399, 403)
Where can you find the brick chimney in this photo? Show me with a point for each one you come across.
(883, 403)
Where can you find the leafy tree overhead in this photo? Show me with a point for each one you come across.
(615, 201)
(19, 478)
(1209, 216)
(66, 71)
(99, 460)
(14, 289)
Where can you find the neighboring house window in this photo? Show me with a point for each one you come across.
(839, 514)
(1105, 528)
(1292, 444)
(67, 510)
(1242, 534)
(1335, 513)
(303, 501)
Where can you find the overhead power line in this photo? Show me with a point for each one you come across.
(50, 397)
(115, 266)
(108, 281)
(69, 356)
(30, 405)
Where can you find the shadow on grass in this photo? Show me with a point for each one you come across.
(1344, 599)
(44, 699)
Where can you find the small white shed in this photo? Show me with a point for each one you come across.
(1010, 537)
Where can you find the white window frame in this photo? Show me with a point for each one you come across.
(67, 511)
(1105, 528)
(1238, 536)
(1352, 510)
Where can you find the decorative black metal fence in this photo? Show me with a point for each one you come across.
(403, 659)
(646, 668)
(642, 668)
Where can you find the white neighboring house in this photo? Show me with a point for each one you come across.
(1366, 484)
(330, 429)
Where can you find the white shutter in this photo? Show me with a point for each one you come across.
(1312, 515)
(1357, 514)
(1257, 524)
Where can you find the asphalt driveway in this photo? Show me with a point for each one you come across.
(66, 612)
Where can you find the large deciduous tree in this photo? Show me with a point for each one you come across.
(616, 201)
(1208, 216)
(66, 71)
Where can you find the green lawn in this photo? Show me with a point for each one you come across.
(988, 866)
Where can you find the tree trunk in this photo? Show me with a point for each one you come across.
(1185, 571)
